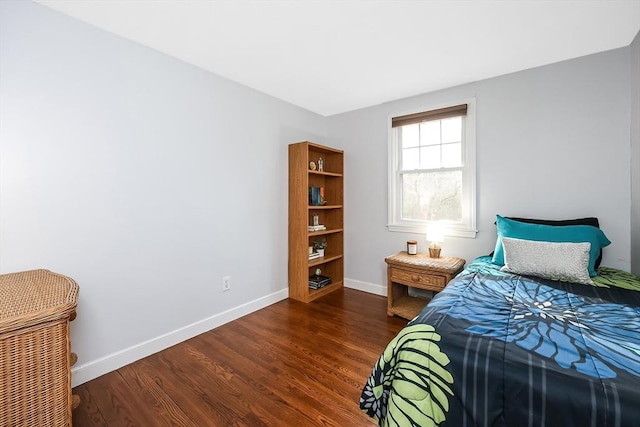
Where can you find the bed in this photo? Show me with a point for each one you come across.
(499, 348)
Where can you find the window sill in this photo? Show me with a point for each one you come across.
(420, 229)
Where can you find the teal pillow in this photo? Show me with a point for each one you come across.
(550, 233)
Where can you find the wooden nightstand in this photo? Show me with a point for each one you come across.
(416, 271)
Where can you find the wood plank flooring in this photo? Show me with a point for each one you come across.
(289, 364)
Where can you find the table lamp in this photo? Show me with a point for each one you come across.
(435, 235)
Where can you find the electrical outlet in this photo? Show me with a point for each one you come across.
(226, 283)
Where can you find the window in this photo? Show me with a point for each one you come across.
(432, 170)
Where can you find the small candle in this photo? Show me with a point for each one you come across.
(412, 247)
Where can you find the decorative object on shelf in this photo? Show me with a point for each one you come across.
(320, 245)
(320, 165)
(312, 165)
(315, 220)
(412, 247)
(435, 235)
(318, 281)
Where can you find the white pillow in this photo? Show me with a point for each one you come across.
(568, 262)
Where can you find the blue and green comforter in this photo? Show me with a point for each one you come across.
(498, 349)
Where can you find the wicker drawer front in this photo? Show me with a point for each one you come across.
(34, 385)
(418, 280)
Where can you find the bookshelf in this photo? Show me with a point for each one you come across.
(330, 214)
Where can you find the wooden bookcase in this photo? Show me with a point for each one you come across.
(331, 214)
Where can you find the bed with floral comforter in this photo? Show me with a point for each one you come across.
(496, 348)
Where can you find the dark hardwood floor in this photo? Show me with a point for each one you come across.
(290, 364)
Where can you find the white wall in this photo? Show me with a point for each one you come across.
(552, 142)
(635, 154)
(142, 177)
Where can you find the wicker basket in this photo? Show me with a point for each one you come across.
(35, 357)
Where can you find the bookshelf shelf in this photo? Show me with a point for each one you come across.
(325, 207)
(325, 173)
(324, 232)
(323, 260)
(331, 182)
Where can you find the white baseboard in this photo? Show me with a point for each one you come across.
(372, 288)
(96, 368)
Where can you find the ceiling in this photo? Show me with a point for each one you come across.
(335, 56)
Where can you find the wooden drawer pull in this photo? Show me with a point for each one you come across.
(75, 401)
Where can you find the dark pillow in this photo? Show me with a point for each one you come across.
(578, 221)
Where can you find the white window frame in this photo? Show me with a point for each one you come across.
(464, 228)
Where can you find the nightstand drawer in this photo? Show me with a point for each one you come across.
(426, 281)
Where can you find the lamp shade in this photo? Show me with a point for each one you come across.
(435, 233)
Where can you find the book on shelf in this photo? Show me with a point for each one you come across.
(318, 281)
(317, 227)
(314, 255)
(316, 196)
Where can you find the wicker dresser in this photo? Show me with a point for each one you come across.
(35, 355)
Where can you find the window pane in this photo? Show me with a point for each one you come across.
(430, 132)
(432, 196)
(430, 157)
(452, 155)
(410, 136)
(452, 129)
(410, 158)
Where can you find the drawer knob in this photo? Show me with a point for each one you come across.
(75, 401)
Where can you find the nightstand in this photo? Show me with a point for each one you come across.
(419, 271)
